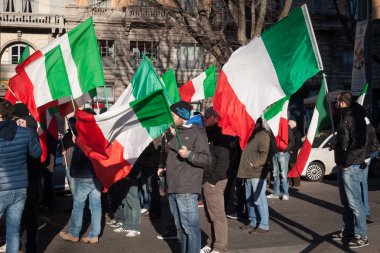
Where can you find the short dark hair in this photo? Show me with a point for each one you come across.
(346, 97)
(6, 110)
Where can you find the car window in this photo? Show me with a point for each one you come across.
(320, 138)
(327, 144)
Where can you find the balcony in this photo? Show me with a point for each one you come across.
(30, 20)
(144, 13)
(325, 22)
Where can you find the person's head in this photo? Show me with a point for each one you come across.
(21, 110)
(6, 110)
(292, 124)
(181, 112)
(344, 99)
(211, 116)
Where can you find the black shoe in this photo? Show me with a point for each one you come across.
(358, 242)
(342, 236)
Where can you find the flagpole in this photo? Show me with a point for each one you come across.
(9, 88)
(72, 102)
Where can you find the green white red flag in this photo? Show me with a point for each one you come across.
(320, 118)
(115, 139)
(201, 87)
(277, 119)
(270, 67)
(361, 98)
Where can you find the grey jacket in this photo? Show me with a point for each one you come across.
(185, 175)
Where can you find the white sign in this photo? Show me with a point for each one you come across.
(358, 62)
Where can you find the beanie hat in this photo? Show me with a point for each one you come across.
(211, 112)
(21, 110)
(182, 109)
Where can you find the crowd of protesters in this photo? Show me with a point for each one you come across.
(208, 166)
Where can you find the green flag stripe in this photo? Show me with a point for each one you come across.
(85, 53)
(276, 108)
(152, 111)
(56, 74)
(25, 54)
(209, 84)
(291, 52)
(322, 107)
(171, 85)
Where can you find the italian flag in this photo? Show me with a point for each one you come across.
(269, 68)
(277, 119)
(115, 139)
(320, 118)
(201, 87)
(361, 98)
(67, 67)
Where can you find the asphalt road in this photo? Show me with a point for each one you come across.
(302, 224)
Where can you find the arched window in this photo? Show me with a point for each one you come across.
(15, 53)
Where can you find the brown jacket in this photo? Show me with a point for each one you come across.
(255, 156)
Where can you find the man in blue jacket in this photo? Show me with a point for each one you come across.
(15, 144)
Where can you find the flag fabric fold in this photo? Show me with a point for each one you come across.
(115, 139)
(277, 119)
(320, 118)
(171, 85)
(264, 71)
(201, 87)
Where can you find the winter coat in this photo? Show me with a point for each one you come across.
(184, 175)
(15, 144)
(255, 156)
(372, 143)
(81, 166)
(297, 145)
(351, 136)
(221, 148)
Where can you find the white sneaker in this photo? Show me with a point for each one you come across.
(121, 230)
(206, 249)
(285, 197)
(111, 222)
(271, 196)
(3, 248)
(133, 233)
(117, 224)
(143, 210)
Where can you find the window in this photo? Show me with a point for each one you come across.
(9, 6)
(15, 53)
(27, 6)
(101, 94)
(107, 52)
(188, 56)
(149, 48)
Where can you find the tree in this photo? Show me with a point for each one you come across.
(220, 26)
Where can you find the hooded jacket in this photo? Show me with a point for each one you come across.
(351, 136)
(15, 144)
(184, 175)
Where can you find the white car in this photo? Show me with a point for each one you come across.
(321, 160)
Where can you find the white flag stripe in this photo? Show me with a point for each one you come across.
(41, 88)
(262, 72)
(198, 87)
(313, 126)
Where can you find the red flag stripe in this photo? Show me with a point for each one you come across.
(187, 91)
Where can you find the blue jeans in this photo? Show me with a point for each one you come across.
(280, 166)
(86, 187)
(257, 203)
(184, 207)
(132, 208)
(365, 189)
(12, 204)
(354, 217)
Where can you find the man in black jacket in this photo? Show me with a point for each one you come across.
(350, 146)
(214, 183)
(184, 171)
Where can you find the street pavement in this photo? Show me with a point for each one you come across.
(302, 224)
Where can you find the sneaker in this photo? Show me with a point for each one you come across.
(68, 236)
(259, 231)
(341, 236)
(117, 224)
(247, 228)
(3, 248)
(271, 196)
(358, 242)
(167, 235)
(121, 230)
(144, 210)
(206, 249)
(285, 197)
(90, 240)
(200, 203)
(133, 233)
(111, 222)
(232, 216)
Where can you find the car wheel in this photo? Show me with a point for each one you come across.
(315, 171)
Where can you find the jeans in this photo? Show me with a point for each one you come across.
(132, 208)
(184, 207)
(350, 190)
(280, 166)
(12, 204)
(257, 203)
(149, 194)
(364, 185)
(86, 187)
(217, 226)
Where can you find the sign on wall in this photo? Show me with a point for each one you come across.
(358, 62)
